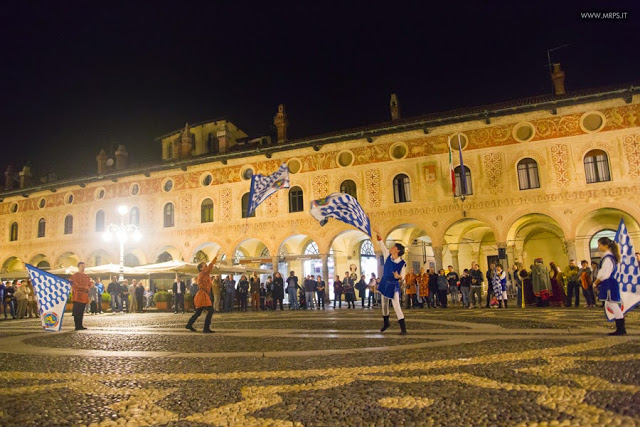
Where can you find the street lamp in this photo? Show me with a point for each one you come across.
(122, 233)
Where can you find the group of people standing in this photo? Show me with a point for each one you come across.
(18, 299)
(125, 297)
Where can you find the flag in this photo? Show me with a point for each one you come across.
(264, 186)
(463, 174)
(628, 272)
(453, 174)
(52, 293)
(342, 207)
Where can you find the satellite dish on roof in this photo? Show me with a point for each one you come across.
(110, 162)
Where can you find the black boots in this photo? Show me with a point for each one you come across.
(620, 329)
(386, 323)
(403, 327)
(190, 327)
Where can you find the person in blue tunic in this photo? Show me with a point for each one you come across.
(606, 283)
(389, 286)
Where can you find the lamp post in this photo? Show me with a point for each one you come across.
(122, 233)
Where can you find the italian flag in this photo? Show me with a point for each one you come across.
(453, 174)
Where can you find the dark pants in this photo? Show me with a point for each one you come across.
(94, 307)
(140, 301)
(207, 320)
(99, 303)
(363, 298)
(275, 303)
(442, 295)
(573, 288)
(12, 308)
(228, 301)
(589, 295)
(178, 300)
(489, 295)
(320, 299)
(243, 302)
(338, 299)
(412, 301)
(78, 313)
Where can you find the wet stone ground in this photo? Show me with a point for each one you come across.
(319, 368)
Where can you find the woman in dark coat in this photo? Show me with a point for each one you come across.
(528, 297)
(337, 292)
(361, 286)
(278, 291)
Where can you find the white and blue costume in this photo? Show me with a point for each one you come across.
(389, 286)
(609, 288)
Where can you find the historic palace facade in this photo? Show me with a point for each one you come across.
(545, 175)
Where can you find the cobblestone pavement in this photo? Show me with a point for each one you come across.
(333, 367)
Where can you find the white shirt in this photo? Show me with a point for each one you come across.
(385, 253)
(607, 268)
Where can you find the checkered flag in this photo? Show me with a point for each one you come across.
(342, 207)
(264, 186)
(52, 293)
(628, 272)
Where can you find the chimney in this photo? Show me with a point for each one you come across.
(395, 107)
(101, 158)
(558, 80)
(121, 158)
(281, 122)
(185, 142)
(224, 138)
(9, 176)
(25, 177)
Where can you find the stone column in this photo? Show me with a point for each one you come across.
(274, 262)
(455, 261)
(511, 255)
(571, 249)
(437, 254)
(325, 276)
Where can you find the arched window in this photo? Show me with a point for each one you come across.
(206, 211)
(368, 262)
(168, 215)
(130, 260)
(13, 235)
(245, 207)
(528, 174)
(164, 257)
(349, 187)
(468, 190)
(200, 256)
(100, 220)
(596, 166)
(366, 248)
(238, 255)
(296, 200)
(593, 243)
(311, 249)
(41, 227)
(134, 216)
(43, 265)
(68, 224)
(401, 189)
(265, 253)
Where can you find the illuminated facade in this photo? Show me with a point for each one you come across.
(545, 175)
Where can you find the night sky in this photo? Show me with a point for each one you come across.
(78, 76)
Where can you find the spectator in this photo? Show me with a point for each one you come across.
(21, 295)
(372, 291)
(489, 275)
(9, 299)
(140, 296)
(179, 289)
(558, 297)
(230, 292)
(349, 290)
(278, 291)
(528, 297)
(134, 299)
(337, 292)
(113, 288)
(453, 279)
(465, 288)
(254, 288)
(93, 299)
(124, 295)
(100, 289)
(476, 285)
(499, 284)
(320, 287)
(423, 288)
(32, 305)
(361, 286)
(292, 290)
(571, 273)
(540, 281)
(309, 290)
(443, 286)
(243, 291)
(584, 275)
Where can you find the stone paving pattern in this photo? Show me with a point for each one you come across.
(332, 367)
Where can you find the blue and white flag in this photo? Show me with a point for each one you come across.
(628, 272)
(264, 186)
(52, 293)
(342, 207)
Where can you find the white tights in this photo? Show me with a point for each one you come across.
(615, 308)
(395, 301)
